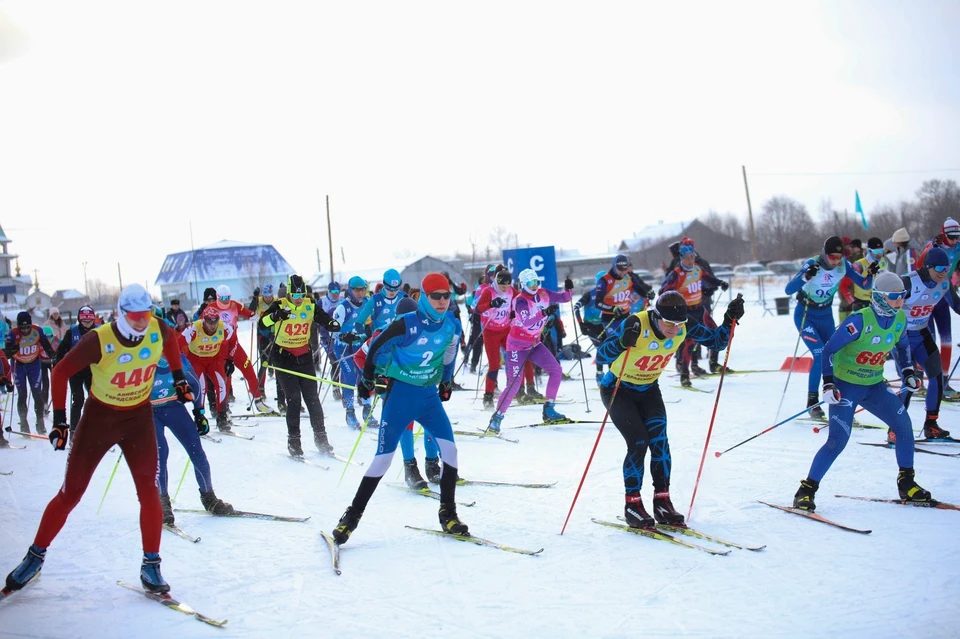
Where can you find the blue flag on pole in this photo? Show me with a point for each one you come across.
(859, 209)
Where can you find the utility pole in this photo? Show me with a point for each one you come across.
(119, 276)
(85, 285)
(753, 232)
(333, 275)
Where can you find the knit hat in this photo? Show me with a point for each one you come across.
(210, 312)
(951, 229)
(406, 305)
(936, 256)
(874, 243)
(24, 319)
(209, 293)
(832, 245)
(434, 282)
(901, 235)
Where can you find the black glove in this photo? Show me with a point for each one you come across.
(630, 334)
(497, 302)
(650, 294)
(724, 285)
(445, 390)
(280, 314)
(910, 379)
(256, 292)
(550, 310)
(182, 386)
(734, 310)
(811, 271)
(568, 284)
(619, 312)
(333, 326)
(229, 367)
(203, 426)
(381, 388)
(61, 429)
(349, 338)
(6, 384)
(365, 388)
(874, 268)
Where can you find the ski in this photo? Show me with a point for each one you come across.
(175, 529)
(485, 434)
(334, 551)
(698, 534)
(478, 541)
(563, 422)
(246, 515)
(656, 534)
(856, 424)
(173, 604)
(915, 448)
(6, 472)
(432, 494)
(211, 438)
(815, 517)
(230, 433)
(344, 459)
(938, 440)
(472, 482)
(14, 447)
(306, 462)
(933, 503)
(693, 388)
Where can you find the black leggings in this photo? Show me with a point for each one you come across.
(642, 421)
(295, 386)
(78, 383)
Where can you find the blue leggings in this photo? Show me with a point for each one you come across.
(348, 370)
(879, 400)
(430, 449)
(924, 350)
(816, 328)
(174, 416)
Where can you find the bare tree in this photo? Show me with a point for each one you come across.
(102, 294)
(784, 230)
(938, 200)
(255, 274)
(502, 239)
(726, 223)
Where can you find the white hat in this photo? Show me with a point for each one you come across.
(901, 235)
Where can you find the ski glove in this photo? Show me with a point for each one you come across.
(333, 326)
(830, 394)
(724, 285)
(256, 292)
(631, 333)
(229, 367)
(6, 385)
(203, 426)
(497, 302)
(568, 284)
(811, 271)
(734, 310)
(280, 314)
(445, 390)
(60, 431)
(180, 384)
(349, 338)
(650, 294)
(619, 312)
(874, 268)
(910, 379)
(550, 310)
(365, 388)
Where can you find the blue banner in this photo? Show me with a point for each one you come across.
(542, 259)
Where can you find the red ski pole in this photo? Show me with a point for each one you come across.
(726, 358)
(623, 366)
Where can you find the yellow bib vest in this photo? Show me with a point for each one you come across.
(650, 356)
(124, 375)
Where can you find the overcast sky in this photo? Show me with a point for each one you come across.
(428, 123)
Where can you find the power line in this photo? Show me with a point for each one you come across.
(900, 172)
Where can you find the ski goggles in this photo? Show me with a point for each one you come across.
(392, 289)
(333, 291)
(940, 269)
(897, 295)
(672, 323)
(532, 283)
(623, 266)
(296, 296)
(137, 316)
(224, 298)
(211, 320)
(876, 252)
(437, 295)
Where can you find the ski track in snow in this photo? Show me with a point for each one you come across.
(270, 578)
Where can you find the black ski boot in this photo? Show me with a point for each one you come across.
(293, 447)
(931, 429)
(337, 393)
(411, 475)
(150, 576)
(282, 408)
(488, 400)
(696, 371)
(28, 568)
(717, 368)
(533, 395)
(805, 494)
(168, 519)
(214, 505)
(431, 465)
(450, 522)
(664, 511)
(348, 523)
(909, 490)
(685, 380)
(635, 514)
(223, 422)
(322, 443)
(41, 428)
(816, 412)
(3, 441)
(520, 398)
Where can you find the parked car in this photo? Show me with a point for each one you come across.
(722, 271)
(784, 267)
(645, 275)
(751, 269)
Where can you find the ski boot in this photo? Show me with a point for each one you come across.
(3, 441)
(717, 368)
(168, 519)
(411, 475)
(41, 429)
(664, 511)
(816, 412)
(805, 494)
(352, 420)
(932, 430)
(950, 394)
(550, 414)
(261, 406)
(450, 522)
(223, 422)
(431, 465)
(282, 408)
(520, 399)
(891, 437)
(696, 371)
(28, 568)
(322, 443)
(348, 523)
(635, 514)
(24, 426)
(494, 425)
(487, 400)
(908, 488)
(473, 369)
(293, 447)
(367, 413)
(533, 395)
(150, 577)
(337, 393)
(214, 505)
(685, 380)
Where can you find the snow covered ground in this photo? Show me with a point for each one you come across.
(271, 579)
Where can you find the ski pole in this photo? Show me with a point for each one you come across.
(723, 372)
(305, 376)
(603, 423)
(363, 429)
(718, 453)
(110, 481)
(182, 477)
(793, 362)
(817, 429)
(579, 360)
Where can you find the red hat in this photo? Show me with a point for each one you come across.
(846, 240)
(210, 312)
(686, 241)
(434, 282)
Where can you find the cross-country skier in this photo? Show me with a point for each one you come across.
(6, 387)
(815, 285)
(528, 313)
(82, 380)
(493, 308)
(638, 353)
(122, 356)
(231, 311)
(612, 294)
(46, 364)
(421, 347)
(262, 299)
(23, 345)
(949, 241)
(347, 341)
(328, 303)
(853, 376)
(590, 323)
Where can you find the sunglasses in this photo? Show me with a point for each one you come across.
(138, 316)
(940, 269)
(296, 296)
(672, 323)
(211, 320)
(440, 296)
(899, 295)
(835, 257)
(878, 252)
(225, 298)
(392, 289)
(334, 291)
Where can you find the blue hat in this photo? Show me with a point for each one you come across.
(391, 279)
(357, 282)
(686, 249)
(936, 256)
(621, 262)
(406, 305)
(333, 285)
(267, 290)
